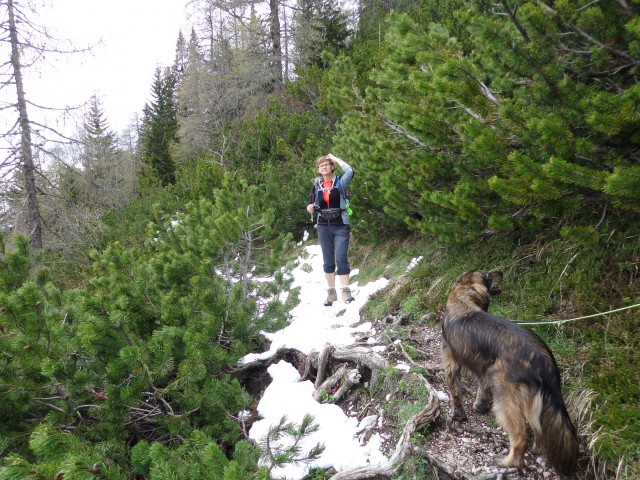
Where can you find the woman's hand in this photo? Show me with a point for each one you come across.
(310, 208)
(333, 158)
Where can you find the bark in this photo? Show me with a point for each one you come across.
(276, 52)
(26, 154)
(344, 377)
(293, 356)
(398, 129)
(516, 22)
(356, 354)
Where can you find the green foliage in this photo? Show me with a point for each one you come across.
(160, 127)
(140, 352)
(199, 456)
(417, 466)
(320, 27)
(472, 123)
(34, 345)
(326, 397)
(504, 141)
(281, 444)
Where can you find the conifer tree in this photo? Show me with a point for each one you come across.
(160, 127)
(36, 346)
(496, 123)
(182, 56)
(105, 178)
(281, 444)
(319, 26)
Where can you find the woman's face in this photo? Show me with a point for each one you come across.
(325, 168)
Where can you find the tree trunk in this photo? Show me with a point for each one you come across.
(276, 53)
(26, 155)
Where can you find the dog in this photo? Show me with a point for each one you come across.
(516, 371)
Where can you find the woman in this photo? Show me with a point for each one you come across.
(328, 198)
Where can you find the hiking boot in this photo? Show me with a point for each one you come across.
(332, 296)
(346, 295)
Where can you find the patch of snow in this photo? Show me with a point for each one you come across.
(443, 397)
(403, 366)
(312, 326)
(288, 396)
(414, 263)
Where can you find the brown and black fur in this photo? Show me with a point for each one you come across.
(514, 368)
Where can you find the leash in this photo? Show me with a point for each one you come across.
(559, 322)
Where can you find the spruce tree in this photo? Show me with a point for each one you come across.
(101, 167)
(160, 127)
(319, 26)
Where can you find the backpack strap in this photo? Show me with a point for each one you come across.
(317, 186)
(317, 189)
(345, 195)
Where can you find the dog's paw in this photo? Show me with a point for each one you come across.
(508, 460)
(455, 422)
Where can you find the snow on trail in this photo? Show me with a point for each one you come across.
(312, 326)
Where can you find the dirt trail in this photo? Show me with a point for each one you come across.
(468, 453)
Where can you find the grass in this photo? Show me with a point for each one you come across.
(543, 281)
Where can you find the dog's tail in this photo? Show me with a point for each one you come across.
(557, 439)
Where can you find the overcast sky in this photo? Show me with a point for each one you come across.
(132, 37)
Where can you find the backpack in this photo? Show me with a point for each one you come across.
(346, 194)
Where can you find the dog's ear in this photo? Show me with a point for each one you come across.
(465, 277)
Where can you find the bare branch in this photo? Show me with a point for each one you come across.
(486, 93)
(625, 7)
(619, 53)
(518, 25)
(398, 129)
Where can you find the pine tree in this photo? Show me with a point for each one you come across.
(36, 348)
(319, 26)
(99, 159)
(494, 123)
(160, 127)
(281, 444)
(182, 55)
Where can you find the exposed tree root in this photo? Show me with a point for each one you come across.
(295, 357)
(352, 353)
(427, 415)
(344, 377)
